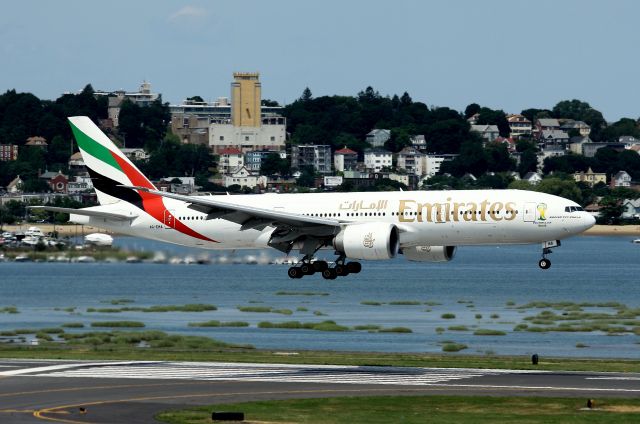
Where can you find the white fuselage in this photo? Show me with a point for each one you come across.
(434, 218)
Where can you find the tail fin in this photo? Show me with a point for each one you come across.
(108, 167)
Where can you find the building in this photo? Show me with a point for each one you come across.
(432, 163)
(590, 177)
(143, 97)
(40, 142)
(487, 132)
(8, 152)
(316, 155)
(249, 125)
(532, 178)
(16, 185)
(410, 160)
(377, 137)
(553, 138)
(80, 184)
(546, 124)
(582, 128)
(519, 125)
(621, 179)
(376, 159)
(631, 209)
(135, 154)
(419, 142)
(590, 149)
(57, 181)
(242, 177)
(576, 144)
(253, 160)
(180, 185)
(345, 159)
(230, 160)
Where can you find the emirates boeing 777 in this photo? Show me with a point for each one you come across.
(424, 226)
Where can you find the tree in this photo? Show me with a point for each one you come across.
(488, 116)
(399, 140)
(273, 164)
(306, 95)
(471, 110)
(532, 114)
(196, 99)
(559, 187)
(268, 102)
(307, 177)
(624, 126)
(581, 111)
(498, 158)
(528, 162)
(610, 210)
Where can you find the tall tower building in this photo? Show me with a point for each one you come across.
(246, 99)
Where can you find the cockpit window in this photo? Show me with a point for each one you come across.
(573, 209)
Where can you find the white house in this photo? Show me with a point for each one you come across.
(410, 160)
(631, 209)
(344, 159)
(376, 159)
(532, 178)
(242, 177)
(377, 137)
(488, 132)
(621, 179)
(230, 160)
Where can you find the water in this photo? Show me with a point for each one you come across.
(585, 269)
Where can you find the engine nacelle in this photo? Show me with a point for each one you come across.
(429, 253)
(375, 240)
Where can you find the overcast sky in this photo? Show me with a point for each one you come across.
(506, 54)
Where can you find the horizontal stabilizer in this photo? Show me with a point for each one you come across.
(86, 212)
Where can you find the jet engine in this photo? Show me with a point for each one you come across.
(374, 240)
(429, 253)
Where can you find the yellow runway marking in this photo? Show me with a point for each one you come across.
(38, 414)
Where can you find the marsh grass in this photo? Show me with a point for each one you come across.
(9, 310)
(453, 347)
(404, 302)
(190, 307)
(302, 309)
(256, 309)
(488, 332)
(214, 323)
(297, 325)
(319, 314)
(458, 328)
(73, 325)
(396, 330)
(371, 303)
(448, 315)
(115, 324)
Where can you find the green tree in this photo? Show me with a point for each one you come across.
(273, 164)
(488, 116)
(471, 110)
(560, 187)
(307, 177)
(624, 126)
(581, 111)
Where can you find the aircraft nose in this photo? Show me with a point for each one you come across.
(589, 221)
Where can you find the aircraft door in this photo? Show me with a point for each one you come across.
(169, 219)
(529, 212)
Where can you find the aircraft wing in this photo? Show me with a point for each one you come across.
(86, 212)
(250, 217)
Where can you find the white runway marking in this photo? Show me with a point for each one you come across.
(260, 372)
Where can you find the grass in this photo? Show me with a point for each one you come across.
(214, 323)
(395, 330)
(448, 316)
(478, 316)
(371, 303)
(453, 347)
(297, 325)
(367, 327)
(404, 302)
(118, 301)
(319, 314)
(458, 328)
(488, 332)
(73, 325)
(258, 309)
(302, 309)
(436, 409)
(9, 310)
(191, 307)
(116, 324)
(494, 316)
(282, 311)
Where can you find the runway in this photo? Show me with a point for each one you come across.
(133, 391)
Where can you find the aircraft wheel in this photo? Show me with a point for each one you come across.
(544, 263)
(307, 269)
(294, 272)
(320, 266)
(341, 270)
(354, 267)
(329, 274)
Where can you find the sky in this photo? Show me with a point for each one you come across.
(503, 54)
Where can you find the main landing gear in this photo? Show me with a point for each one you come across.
(545, 263)
(341, 269)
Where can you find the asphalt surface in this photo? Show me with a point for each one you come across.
(33, 391)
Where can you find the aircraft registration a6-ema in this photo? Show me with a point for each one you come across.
(424, 226)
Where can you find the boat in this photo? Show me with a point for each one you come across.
(98, 239)
(636, 241)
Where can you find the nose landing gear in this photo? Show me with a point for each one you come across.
(545, 263)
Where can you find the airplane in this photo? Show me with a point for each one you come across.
(424, 226)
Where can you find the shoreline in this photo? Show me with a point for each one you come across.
(71, 230)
